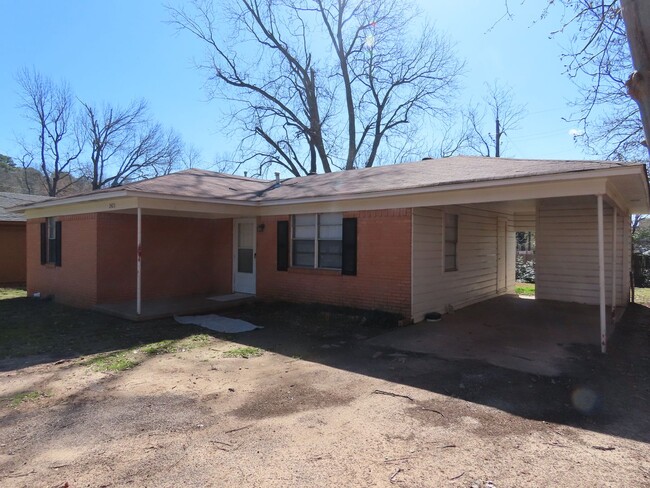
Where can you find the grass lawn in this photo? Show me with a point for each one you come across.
(40, 328)
(7, 293)
(526, 289)
(642, 296)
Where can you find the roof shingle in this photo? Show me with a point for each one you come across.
(11, 200)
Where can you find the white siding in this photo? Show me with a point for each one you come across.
(476, 277)
(566, 253)
(524, 222)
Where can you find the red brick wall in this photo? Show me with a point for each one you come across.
(184, 256)
(75, 282)
(12, 253)
(180, 257)
(383, 279)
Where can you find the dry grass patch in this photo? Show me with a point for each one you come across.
(244, 352)
(25, 396)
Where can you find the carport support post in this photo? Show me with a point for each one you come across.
(614, 252)
(138, 286)
(601, 275)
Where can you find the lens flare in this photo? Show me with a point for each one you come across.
(584, 399)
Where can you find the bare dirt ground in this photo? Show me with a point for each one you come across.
(320, 407)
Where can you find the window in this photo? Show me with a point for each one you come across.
(51, 240)
(451, 242)
(317, 240)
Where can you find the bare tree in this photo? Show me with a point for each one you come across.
(499, 108)
(636, 14)
(126, 145)
(57, 144)
(598, 59)
(300, 110)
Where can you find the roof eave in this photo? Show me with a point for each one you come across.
(576, 175)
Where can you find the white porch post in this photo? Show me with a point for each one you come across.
(601, 275)
(614, 270)
(138, 300)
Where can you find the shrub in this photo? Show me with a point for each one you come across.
(525, 270)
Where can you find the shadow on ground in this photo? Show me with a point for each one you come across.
(603, 393)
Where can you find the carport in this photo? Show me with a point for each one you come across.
(534, 336)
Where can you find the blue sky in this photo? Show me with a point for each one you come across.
(122, 50)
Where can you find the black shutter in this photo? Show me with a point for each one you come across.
(283, 245)
(43, 243)
(349, 258)
(57, 253)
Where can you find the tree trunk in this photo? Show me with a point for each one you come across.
(636, 14)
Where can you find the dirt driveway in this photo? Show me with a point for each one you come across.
(307, 401)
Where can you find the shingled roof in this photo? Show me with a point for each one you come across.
(429, 173)
(426, 173)
(405, 176)
(13, 199)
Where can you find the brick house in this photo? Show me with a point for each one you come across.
(409, 238)
(13, 262)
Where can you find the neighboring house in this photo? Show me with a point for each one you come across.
(12, 238)
(409, 238)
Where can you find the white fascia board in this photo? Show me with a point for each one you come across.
(616, 199)
(82, 207)
(197, 207)
(208, 200)
(68, 201)
(501, 183)
(126, 200)
(447, 196)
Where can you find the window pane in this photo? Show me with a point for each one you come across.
(303, 253)
(307, 219)
(245, 260)
(304, 232)
(304, 226)
(331, 219)
(450, 263)
(51, 250)
(245, 235)
(333, 232)
(451, 234)
(329, 254)
(451, 219)
(51, 228)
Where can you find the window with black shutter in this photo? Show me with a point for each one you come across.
(349, 244)
(283, 245)
(51, 242)
(317, 241)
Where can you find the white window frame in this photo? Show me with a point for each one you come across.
(51, 240)
(316, 237)
(445, 241)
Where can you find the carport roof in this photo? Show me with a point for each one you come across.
(366, 182)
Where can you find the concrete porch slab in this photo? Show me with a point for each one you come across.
(157, 309)
(532, 336)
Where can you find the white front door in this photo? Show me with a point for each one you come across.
(244, 256)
